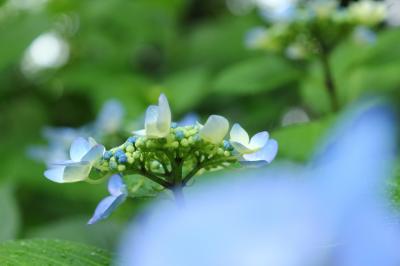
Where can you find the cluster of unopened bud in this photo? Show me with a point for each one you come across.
(313, 23)
(139, 154)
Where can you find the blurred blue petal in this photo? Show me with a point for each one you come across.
(331, 212)
(277, 11)
(189, 120)
(116, 185)
(364, 34)
(106, 207)
(266, 154)
(110, 117)
(118, 192)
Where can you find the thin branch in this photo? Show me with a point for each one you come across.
(156, 179)
(329, 82)
(191, 174)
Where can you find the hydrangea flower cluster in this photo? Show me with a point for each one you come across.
(164, 152)
(316, 25)
(107, 126)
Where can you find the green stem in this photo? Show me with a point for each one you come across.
(150, 176)
(329, 81)
(189, 176)
(156, 179)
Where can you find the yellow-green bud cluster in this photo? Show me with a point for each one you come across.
(315, 23)
(161, 155)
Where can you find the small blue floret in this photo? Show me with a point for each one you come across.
(107, 155)
(122, 159)
(174, 125)
(119, 153)
(227, 145)
(132, 139)
(179, 135)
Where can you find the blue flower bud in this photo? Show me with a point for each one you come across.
(179, 134)
(122, 159)
(227, 145)
(107, 155)
(174, 125)
(132, 139)
(119, 153)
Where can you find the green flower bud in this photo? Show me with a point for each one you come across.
(130, 148)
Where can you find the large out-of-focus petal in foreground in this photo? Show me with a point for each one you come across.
(331, 212)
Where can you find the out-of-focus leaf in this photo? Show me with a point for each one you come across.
(104, 234)
(186, 88)
(382, 79)
(102, 84)
(40, 252)
(298, 142)
(214, 43)
(9, 213)
(314, 92)
(14, 42)
(255, 75)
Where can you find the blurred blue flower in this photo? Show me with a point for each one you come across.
(118, 194)
(59, 140)
(256, 37)
(330, 212)
(189, 120)
(83, 154)
(364, 34)
(277, 10)
(110, 117)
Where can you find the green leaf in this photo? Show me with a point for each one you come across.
(40, 252)
(254, 75)
(103, 235)
(186, 88)
(314, 92)
(298, 142)
(214, 43)
(9, 221)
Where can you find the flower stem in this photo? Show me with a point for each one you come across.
(179, 197)
(329, 82)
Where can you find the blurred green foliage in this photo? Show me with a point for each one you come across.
(133, 50)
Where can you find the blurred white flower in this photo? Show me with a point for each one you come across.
(367, 12)
(215, 129)
(393, 12)
(331, 212)
(83, 154)
(158, 120)
(295, 115)
(241, 141)
(48, 50)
